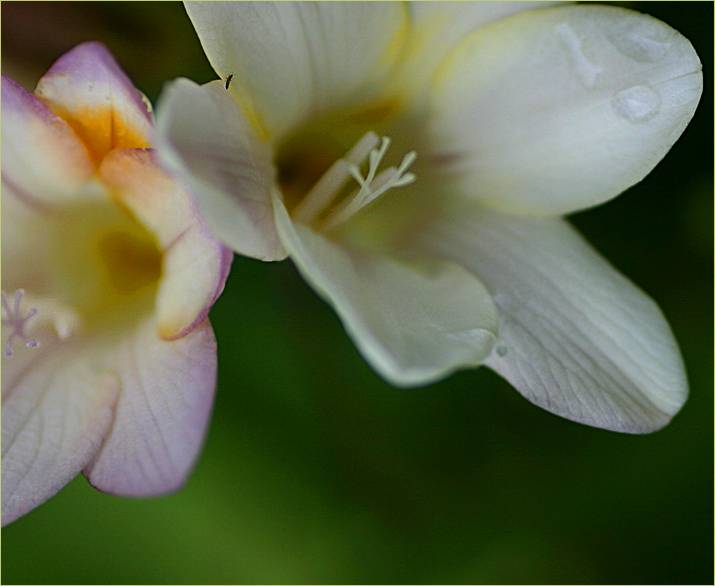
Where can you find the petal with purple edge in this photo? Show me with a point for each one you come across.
(44, 161)
(195, 265)
(87, 88)
(54, 417)
(167, 391)
(575, 336)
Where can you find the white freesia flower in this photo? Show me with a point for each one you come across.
(413, 161)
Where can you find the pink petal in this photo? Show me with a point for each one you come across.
(54, 417)
(164, 407)
(87, 88)
(44, 161)
(195, 265)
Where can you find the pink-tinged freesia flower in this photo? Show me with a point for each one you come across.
(444, 247)
(108, 274)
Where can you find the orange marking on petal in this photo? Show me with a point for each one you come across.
(102, 129)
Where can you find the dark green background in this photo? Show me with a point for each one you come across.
(315, 470)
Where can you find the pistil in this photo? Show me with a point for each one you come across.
(12, 317)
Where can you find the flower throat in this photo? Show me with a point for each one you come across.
(317, 187)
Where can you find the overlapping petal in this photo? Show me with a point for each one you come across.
(195, 265)
(295, 58)
(204, 137)
(55, 414)
(44, 161)
(575, 336)
(88, 89)
(167, 390)
(413, 322)
(436, 30)
(554, 110)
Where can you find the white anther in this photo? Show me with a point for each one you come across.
(372, 187)
(329, 185)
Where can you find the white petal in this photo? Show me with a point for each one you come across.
(206, 140)
(554, 110)
(576, 337)
(413, 323)
(54, 417)
(438, 27)
(161, 417)
(298, 57)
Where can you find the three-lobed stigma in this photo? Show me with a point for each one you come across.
(13, 318)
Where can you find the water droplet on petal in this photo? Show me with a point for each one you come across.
(502, 350)
(636, 104)
(642, 42)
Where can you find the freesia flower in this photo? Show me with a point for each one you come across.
(414, 162)
(108, 273)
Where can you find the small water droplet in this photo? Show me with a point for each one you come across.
(641, 42)
(636, 104)
(586, 71)
(502, 350)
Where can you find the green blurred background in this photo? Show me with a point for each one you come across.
(315, 470)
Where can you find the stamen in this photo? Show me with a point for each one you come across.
(372, 187)
(376, 157)
(12, 317)
(329, 185)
